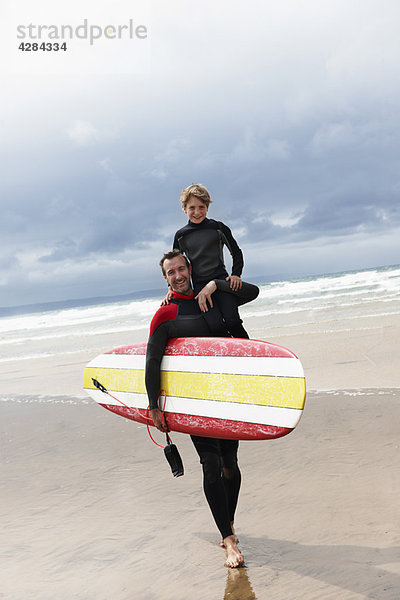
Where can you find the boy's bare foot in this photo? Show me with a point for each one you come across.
(234, 557)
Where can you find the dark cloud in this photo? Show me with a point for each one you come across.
(297, 142)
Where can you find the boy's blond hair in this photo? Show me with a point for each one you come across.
(198, 190)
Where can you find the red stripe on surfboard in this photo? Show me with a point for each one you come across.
(206, 426)
(139, 349)
(196, 346)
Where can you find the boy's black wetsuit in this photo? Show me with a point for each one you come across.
(221, 474)
(203, 244)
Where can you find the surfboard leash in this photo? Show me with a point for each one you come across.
(103, 389)
(162, 418)
(170, 450)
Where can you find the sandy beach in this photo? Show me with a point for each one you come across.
(89, 508)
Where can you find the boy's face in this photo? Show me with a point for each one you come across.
(196, 210)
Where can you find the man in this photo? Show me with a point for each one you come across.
(184, 317)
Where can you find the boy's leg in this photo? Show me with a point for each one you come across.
(247, 293)
(213, 316)
(228, 306)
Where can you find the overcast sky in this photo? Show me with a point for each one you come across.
(288, 112)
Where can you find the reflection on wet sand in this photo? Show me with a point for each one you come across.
(238, 586)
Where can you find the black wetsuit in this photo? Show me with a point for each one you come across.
(202, 243)
(221, 474)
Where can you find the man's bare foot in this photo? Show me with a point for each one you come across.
(234, 535)
(234, 557)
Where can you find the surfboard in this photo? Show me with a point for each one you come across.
(215, 387)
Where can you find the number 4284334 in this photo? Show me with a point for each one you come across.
(44, 46)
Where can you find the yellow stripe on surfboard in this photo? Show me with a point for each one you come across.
(287, 392)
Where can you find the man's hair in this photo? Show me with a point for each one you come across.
(198, 190)
(169, 256)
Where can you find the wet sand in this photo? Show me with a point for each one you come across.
(89, 508)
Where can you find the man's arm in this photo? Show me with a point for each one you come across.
(154, 354)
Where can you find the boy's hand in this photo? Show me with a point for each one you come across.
(167, 298)
(204, 296)
(236, 282)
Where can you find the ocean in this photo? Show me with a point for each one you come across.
(321, 303)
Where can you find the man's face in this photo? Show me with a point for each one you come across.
(177, 275)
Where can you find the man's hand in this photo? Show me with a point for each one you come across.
(159, 420)
(236, 282)
(204, 296)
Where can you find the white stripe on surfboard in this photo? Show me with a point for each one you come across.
(247, 413)
(231, 365)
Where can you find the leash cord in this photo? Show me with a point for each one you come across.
(101, 387)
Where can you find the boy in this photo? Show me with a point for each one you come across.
(202, 241)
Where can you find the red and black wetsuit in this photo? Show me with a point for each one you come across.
(221, 474)
(181, 318)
